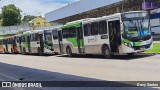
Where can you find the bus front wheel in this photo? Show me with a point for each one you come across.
(106, 52)
(69, 52)
(130, 54)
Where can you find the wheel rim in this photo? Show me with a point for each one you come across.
(69, 52)
(106, 52)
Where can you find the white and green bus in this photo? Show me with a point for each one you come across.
(38, 42)
(120, 33)
(25, 42)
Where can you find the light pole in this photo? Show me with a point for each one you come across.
(122, 6)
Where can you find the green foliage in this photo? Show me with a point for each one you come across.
(11, 15)
(0, 19)
(28, 18)
(156, 48)
(0, 16)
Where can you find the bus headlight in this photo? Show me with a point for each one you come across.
(127, 44)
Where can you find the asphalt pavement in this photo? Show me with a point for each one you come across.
(15, 67)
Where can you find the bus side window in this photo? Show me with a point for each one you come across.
(32, 38)
(65, 33)
(22, 38)
(36, 37)
(17, 39)
(72, 32)
(3, 41)
(87, 30)
(0, 42)
(94, 28)
(25, 39)
(55, 34)
(102, 27)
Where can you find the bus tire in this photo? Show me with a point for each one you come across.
(130, 54)
(56, 53)
(39, 52)
(69, 52)
(106, 52)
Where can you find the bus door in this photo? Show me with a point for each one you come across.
(6, 45)
(41, 42)
(14, 43)
(20, 41)
(88, 39)
(80, 41)
(29, 45)
(60, 40)
(114, 34)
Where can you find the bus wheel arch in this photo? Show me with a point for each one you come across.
(106, 51)
(69, 51)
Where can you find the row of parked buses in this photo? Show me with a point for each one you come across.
(120, 33)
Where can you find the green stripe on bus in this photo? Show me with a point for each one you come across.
(137, 44)
(126, 41)
(25, 44)
(74, 42)
(129, 42)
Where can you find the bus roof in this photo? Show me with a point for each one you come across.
(72, 24)
(36, 31)
(53, 27)
(77, 23)
(26, 33)
(116, 15)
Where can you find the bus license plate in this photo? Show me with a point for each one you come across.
(142, 48)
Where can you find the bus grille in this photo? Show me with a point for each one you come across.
(142, 47)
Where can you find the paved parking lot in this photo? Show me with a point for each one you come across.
(122, 67)
(81, 67)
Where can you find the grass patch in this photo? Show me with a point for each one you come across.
(156, 48)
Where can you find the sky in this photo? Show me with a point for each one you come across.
(36, 7)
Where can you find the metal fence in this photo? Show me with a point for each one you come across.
(156, 37)
(13, 29)
(20, 28)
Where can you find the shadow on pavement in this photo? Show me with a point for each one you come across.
(44, 55)
(15, 73)
(114, 57)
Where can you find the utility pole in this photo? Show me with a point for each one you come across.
(122, 6)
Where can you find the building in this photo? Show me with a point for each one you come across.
(38, 22)
(155, 23)
(93, 8)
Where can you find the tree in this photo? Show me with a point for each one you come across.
(11, 15)
(0, 19)
(28, 18)
(0, 16)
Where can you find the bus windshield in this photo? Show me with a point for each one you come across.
(136, 26)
